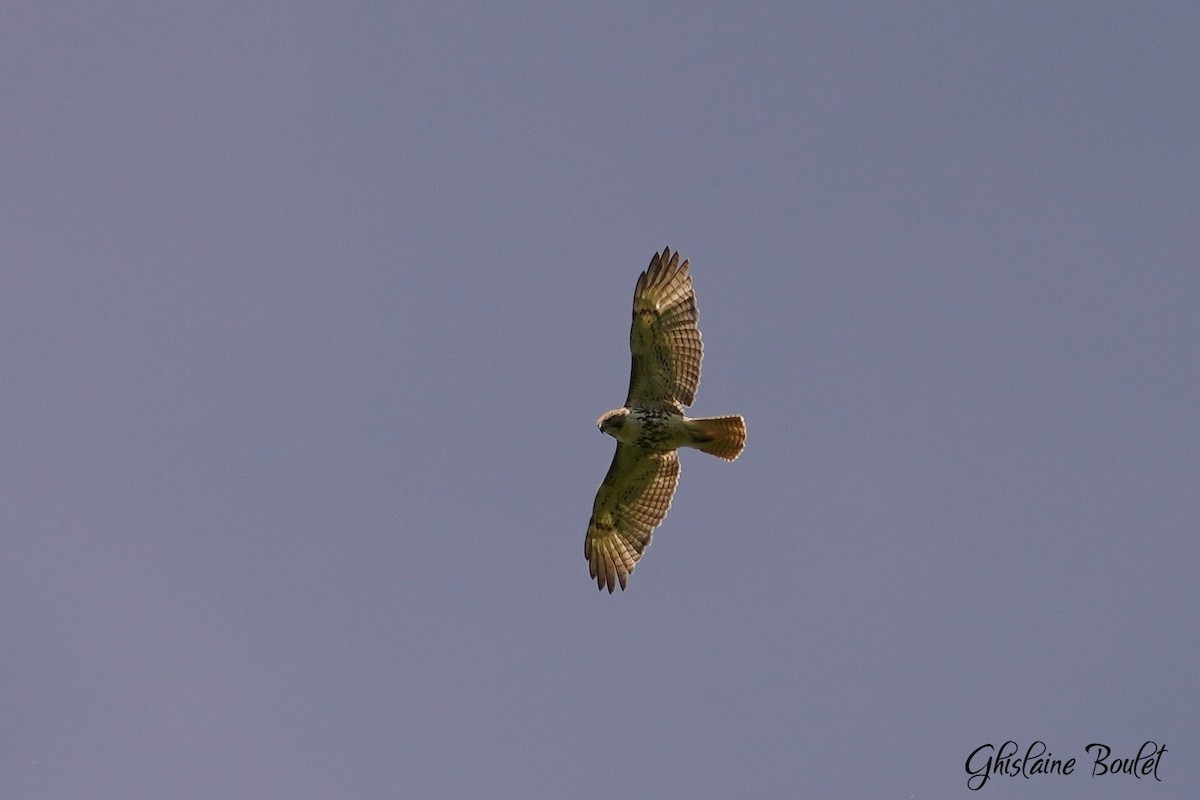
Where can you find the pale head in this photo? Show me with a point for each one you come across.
(613, 422)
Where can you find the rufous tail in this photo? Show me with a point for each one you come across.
(721, 436)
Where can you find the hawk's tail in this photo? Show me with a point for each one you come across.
(722, 436)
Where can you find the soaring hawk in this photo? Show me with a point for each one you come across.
(650, 427)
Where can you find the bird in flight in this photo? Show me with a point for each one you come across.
(651, 427)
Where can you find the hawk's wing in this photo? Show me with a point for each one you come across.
(664, 339)
(632, 500)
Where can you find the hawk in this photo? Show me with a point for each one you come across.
(651, 427)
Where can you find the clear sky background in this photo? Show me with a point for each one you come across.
(308, 311)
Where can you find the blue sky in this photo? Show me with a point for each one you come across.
(309, 311)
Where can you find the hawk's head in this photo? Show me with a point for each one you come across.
(613, 422)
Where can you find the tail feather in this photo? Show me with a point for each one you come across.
(721, 436)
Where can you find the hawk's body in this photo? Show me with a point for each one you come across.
(649, 429)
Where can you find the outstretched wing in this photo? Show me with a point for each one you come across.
(664, 339)
(632, 500)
